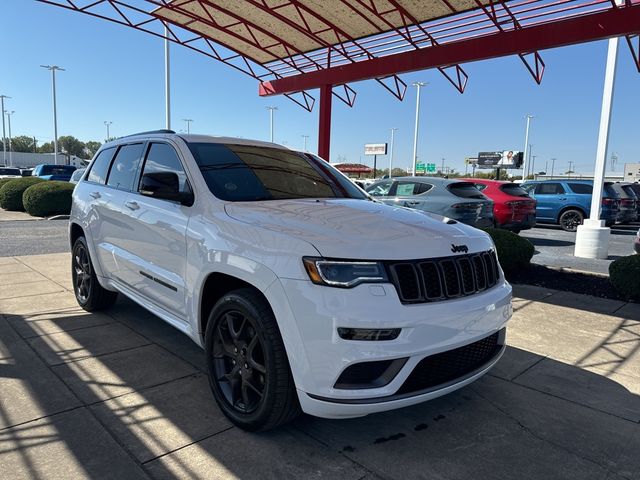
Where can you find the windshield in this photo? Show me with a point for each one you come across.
(245, 173)
(57, 170)
(9, 171)
(465, 190)
(514, 189)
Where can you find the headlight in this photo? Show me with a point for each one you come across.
(345, 274)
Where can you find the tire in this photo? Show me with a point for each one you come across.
(249, 372)
(90, 295)
(570, 219)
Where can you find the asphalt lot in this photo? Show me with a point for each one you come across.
(32, 237)
(119, 394)
(554, 247)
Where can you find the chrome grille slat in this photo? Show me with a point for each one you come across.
(436, 279)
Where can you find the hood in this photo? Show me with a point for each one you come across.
(360, 229)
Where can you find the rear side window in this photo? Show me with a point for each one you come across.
(163, 158)
(100, 167)
(629, 190)
(514, 190)
(609, 191)
(380, 189)
(465, 190)
(480, 186)
(407, 189)
(581, 188)
(125, 166)
(549, 189)
(9, 171)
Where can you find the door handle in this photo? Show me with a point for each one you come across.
(411, 203)
(132, 205)
(95, 194)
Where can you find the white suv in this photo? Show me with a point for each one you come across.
(304, 292)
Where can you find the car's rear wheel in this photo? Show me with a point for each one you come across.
(248, 368)
(90, 295)
(570, 219)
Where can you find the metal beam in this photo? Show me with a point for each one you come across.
(585, 28)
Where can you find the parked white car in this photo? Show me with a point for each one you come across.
(10, 172)
(304, 293)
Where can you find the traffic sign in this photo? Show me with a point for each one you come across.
(431, 167)
(420, 168)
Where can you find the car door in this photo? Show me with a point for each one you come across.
(412, 194)
(156, 240)
(551, 198)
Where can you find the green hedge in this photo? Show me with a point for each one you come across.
(11, 192)
(6, 180)
(514, 251)
(624, 274)
(48, 198)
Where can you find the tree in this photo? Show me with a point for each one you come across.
(46, 148)
(71, 146)
(91, 147)
(21, 143)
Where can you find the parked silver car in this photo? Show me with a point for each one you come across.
(456, 199)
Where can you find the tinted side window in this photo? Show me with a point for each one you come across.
(124, 167)
(480, 186)
(100, 166)
(581, 188)
(465, 190)
(162, 158)
(549, 189)
(407, 189)
(379, 189)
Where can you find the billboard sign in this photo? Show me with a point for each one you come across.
(375, 148)
(500, 159)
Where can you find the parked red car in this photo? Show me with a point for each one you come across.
(513, 208)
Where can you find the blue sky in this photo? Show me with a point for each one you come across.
(115, 73)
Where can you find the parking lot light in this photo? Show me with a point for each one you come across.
(52, 69)
(414, 160)
(4, 135)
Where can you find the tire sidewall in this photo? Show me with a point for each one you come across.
(81, 241)
(565, 213)
(237, 302)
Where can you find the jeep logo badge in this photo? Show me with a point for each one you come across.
(459, 248)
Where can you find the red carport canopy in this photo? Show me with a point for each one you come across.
(292, 46)
(352, 168)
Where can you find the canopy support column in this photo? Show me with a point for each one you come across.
(324, 127)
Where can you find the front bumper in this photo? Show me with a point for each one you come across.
(426, 329)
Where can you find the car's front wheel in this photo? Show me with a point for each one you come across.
(248, 368)
(90, 295)
(570, 219)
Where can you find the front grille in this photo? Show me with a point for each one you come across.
(447, 366)
(420, 281)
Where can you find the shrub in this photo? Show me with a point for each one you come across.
(624, 274)
(514, 252)
(48, 198)
(6, 180)
(11, 192)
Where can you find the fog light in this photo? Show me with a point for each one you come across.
(368, 334)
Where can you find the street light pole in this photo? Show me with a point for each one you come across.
(4, 136)
(167, 80)
(188, 122)
(553, 164)
(10, 149)
(391, 153)
(414, 160)
(305, 137)
(52, 69)
(271, 109)
(107, 124)
(526, 145)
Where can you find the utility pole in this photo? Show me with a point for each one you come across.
(10, 149)
(553, 164)
(569, 172)
(526, 145)
(35, 145)
(271, 109)
(391, 152)
(414, 160)
(546, 168)
(167, 80)
(52, 69)
(4, 136)
(533, 166)
(107, 124)
(305, 137)
(442, 169)
(188, 122)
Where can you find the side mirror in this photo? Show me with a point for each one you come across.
(165, 186)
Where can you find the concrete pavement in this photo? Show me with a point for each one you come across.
(120, 394)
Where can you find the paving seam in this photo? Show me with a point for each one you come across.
(527, 369)
(36, 294)
(43, 312)
(545, 440)
(89, 410)
(66, 330)
(45, 276)
(19, 424)
(328, 447)
(76, 360)
(187, 445)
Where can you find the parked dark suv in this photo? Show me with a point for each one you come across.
(568, 202)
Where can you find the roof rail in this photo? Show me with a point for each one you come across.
(162, 130)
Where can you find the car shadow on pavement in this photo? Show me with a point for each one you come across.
(112, 398)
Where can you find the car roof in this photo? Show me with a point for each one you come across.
(433, 180)
(487, 181)
(195, 138)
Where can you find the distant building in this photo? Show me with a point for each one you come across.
(632, 172)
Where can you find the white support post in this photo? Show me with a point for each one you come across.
(592, 238)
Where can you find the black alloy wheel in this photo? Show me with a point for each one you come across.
(238, 360)
(570, 220)
(81, 273)
(90, 295)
